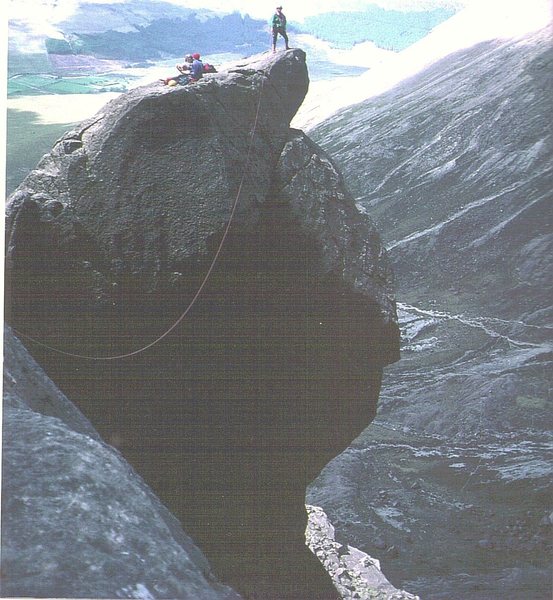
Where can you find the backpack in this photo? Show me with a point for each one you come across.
(209, 68)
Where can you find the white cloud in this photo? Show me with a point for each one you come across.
(483, 20)
(54, 11)
(298, 11)
(39, 18)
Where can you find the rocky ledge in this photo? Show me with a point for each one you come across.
(77, 520)
(195, 223)
(356, 575)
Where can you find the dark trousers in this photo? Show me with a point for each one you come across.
(276, 31)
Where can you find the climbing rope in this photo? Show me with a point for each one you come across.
(203, 283)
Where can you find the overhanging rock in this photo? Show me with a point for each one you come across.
(144, 189)
(277, 366)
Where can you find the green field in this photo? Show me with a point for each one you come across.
(30, 84)
(27, 140)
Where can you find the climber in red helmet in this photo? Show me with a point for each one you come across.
(196, 68)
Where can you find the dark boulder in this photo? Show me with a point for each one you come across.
(200, 201)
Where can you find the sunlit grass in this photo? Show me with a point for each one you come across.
(34, 84)
(26, 142)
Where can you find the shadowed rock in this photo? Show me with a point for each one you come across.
(277, 365)
(77, 521)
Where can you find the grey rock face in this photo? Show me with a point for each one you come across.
(27, 387)
(77, 521)
(350, 245)
(150, 182)
(278, 365)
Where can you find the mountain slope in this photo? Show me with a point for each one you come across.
(477, 23)
(469, 146)
(455, 167)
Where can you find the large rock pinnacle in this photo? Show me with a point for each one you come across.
(277, 365)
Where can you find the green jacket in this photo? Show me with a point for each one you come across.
(279, 21)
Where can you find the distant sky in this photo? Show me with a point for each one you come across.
(41, 16)
(52, 11)
(299, 9)
(56, 10)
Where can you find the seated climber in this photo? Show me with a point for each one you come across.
(196, 68)
(189, 60)
(185, 68)
(189, 72)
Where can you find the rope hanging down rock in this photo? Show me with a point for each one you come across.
(203, 283)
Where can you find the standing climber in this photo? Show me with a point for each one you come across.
(279, 27)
